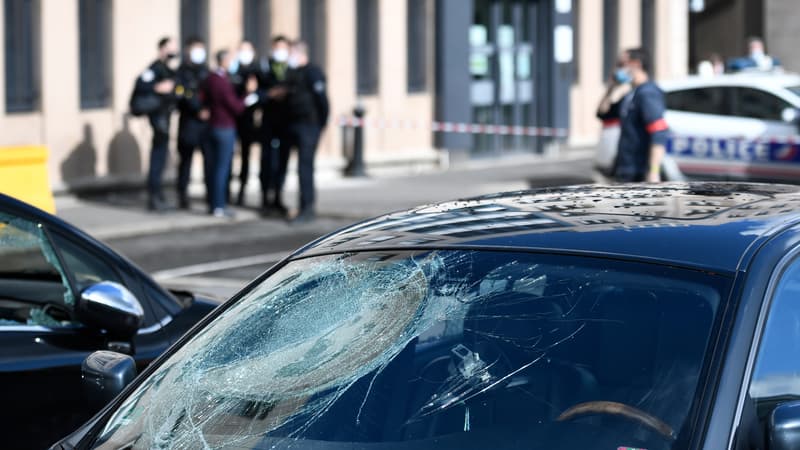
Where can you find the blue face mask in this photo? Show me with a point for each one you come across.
(234, 67)
(622, 76)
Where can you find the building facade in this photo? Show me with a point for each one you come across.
(70, 65)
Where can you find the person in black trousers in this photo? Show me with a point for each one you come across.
(159, 79)
(307, 102)
(274, 128)
(245, 124)
(193, 129)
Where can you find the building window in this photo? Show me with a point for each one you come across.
(417, 55)
(94, 18)
(22, 55)
(313, 29)
(367, 44)
(194, 20)
(649, 31)
(610, 36)
(256, 23)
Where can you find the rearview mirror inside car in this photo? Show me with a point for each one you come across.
(105, 374)
(112, 307)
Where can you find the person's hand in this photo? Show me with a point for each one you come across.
(251, 85)
(164, 87)
(277, 93)
(204, 114)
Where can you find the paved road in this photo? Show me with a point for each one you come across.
(219, 258)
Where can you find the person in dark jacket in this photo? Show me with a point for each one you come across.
(246, 124)
(224, 107)
(643, 130)
(274, 128)
(307, 104)
(193, 129)
(159, 78)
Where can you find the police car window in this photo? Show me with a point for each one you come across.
(757, 104)
(86, 268)
(776, 376)
(714, 100)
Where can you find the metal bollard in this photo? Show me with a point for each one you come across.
(355, 166)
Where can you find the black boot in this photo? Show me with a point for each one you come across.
(240, 198)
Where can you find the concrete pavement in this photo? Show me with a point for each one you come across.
(122, 214)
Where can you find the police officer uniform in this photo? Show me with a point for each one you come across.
(275, 145)
(642, 124)
(159, 119)
(246, 126)
(193, 132)
(307, 104)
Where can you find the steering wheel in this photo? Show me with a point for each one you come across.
(618, 409)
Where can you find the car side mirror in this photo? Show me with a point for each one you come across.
(790, 115)
(112, 307)
(783, 428)
(105, 374)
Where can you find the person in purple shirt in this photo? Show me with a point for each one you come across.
(224, 106)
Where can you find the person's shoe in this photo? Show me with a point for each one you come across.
(222, 213)
(155, 204)
(280, 209)
(183, 201)
(240, 198)
(304, 216)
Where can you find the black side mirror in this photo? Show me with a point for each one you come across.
(112, 307)
(783, 429)
(105, 374)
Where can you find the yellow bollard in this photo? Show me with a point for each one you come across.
(23, 175)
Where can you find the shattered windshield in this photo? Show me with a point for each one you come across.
(437, 349)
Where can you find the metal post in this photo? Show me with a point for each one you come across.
(355, 167)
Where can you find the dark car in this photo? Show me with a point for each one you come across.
(63, 295)
(623, 317)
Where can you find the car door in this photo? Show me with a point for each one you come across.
(42, 344)
(775, 376)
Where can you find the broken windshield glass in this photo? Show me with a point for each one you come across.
(413, 347)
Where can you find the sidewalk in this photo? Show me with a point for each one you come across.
(117, 215)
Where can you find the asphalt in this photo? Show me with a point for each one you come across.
(118, 215)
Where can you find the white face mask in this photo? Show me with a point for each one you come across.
(197, 55)
(293, 63)
(246, 57)
(281, 55)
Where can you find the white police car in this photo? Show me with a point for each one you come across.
(740, 125)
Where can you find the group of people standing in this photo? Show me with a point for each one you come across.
(279, 102)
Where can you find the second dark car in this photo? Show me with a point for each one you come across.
(64, 295)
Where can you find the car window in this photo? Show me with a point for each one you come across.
(758, 104)
(85, 267)
(34, 289)
(776, 375)
(437, 349)
(711, 100)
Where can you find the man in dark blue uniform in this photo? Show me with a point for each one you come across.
(159, 79)
(307, 102)
(246, 123)
(193, 129)
(644, 132)
(274, 128)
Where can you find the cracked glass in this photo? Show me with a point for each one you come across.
(437, 349)
(33, 284)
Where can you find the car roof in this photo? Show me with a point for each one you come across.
(759, 79)
(704, 225)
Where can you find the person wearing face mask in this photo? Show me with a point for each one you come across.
(274, 127)
(159, 79)
(756, 59)
(224, 106)
(640, 114)
(193, 129)
(246, 129)
(308, 108)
